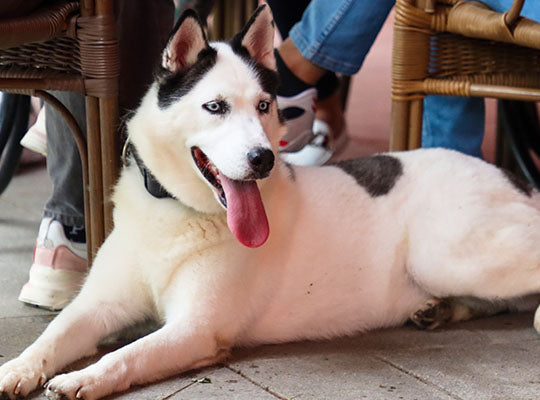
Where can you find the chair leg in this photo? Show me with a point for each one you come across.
(399, 136)
(406, 126)
(95, 182)
(108, 109)
(415, 124)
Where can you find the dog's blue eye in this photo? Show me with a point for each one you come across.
(216, 107)
(264, 106)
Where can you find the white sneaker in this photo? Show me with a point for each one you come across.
(35, 138)
(299, 114)
(320, 149)
(58, 269)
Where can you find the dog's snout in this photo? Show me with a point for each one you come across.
(261, 161)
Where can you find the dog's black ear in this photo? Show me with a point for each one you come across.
(257, 37)
(185, 43)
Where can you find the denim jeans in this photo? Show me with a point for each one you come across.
(143, 29)
(337, 34)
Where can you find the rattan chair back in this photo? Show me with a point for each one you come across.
(458, 48)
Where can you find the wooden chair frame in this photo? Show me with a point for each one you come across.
(82, 34)
(458, 48)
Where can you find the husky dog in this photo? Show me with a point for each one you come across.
(226, 245)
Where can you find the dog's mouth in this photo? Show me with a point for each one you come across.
(246, 216)
(210, 173)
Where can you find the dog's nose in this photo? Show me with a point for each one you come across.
(261, 161)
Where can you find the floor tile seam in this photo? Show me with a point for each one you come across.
(417, 377)
(259, 385)
(178, 391)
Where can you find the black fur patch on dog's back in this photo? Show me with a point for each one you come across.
(520, 184)
(173, 86)
(377, 174)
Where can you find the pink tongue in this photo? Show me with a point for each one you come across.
(245, 211)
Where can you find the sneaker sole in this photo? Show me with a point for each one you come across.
(35, 142)
(51, 289)
(309, 156)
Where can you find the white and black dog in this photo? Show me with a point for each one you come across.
(226, 245)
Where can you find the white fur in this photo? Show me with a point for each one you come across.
(338, 261)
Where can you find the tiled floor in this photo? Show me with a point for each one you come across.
(495, 358)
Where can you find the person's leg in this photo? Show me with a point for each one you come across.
(337, 35)
(331, 36)
(59, 263)
(454, 123)
(66, 203)
(327, 86)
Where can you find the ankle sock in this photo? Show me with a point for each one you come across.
(290, 84)
(327, 85)
(75, 234)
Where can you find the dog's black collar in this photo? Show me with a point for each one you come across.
(151, 184)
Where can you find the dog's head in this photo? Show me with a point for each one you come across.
(208, 128)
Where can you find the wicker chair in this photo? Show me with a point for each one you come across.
(71, 46)
(457, 48)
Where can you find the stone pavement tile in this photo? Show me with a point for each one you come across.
(338, 369)
(18, 333)
(409, 336)
(12, 278)
(18, 227)
(477, 371)
(16, 247)
(29, 190)
(20, 213)
(505, 328)
(225, 384)
(163, 389)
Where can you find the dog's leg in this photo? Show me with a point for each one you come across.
(494, 256)
(176, 347)
(436, 312)
(96, 312)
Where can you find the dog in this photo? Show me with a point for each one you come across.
(226, 245)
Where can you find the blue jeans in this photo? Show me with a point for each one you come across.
(337, 34)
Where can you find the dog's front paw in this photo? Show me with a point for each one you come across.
(19, 377)
(87, 384)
